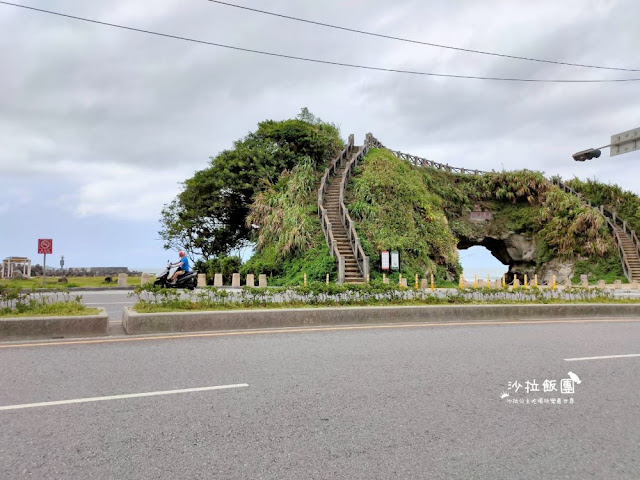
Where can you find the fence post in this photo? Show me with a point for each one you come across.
(365, 263)
(341, 273)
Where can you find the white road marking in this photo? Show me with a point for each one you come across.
(602, 358)
(118, 397)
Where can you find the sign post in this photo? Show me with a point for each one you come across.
(45, 245)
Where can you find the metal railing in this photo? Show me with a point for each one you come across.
(616, 225)
(327, 228)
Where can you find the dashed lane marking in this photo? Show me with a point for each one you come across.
(119, 397)
(602, 358)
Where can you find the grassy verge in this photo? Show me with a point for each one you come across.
(53, 310)
(154, 300)
(195, 307)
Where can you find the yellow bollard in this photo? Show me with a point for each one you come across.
(400, 281)
(384, 278)
(535, 280)
(305, 279)
(504, 281)
(461, 284)
(526, 283)
(327, 279)
(416, 281)
(488, 281)
(368, 279)
(515, 281)
(553, 283)
(433, 286)
(475, 281)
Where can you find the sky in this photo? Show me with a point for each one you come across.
(99, 126)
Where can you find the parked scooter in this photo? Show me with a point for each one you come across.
(188, 280)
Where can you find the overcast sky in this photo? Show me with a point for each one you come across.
(98, 126)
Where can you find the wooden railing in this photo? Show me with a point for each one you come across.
(423, 162)
(327, 229)
(347, 222)
(613, 221)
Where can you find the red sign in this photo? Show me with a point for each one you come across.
(45, 245)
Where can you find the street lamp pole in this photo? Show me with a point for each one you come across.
(624, 142)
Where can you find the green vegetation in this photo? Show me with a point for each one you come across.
(626, 204)
(608, 269)
(262, 192)
(209, 217)
(15, 303)
(400, 207)
(226, 265)
(394, 210)
(153, 300)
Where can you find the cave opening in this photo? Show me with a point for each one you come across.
(481, 261)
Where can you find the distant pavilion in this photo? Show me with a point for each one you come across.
(12, 265)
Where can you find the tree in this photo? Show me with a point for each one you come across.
(208, 218)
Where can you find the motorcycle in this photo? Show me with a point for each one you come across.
(188, 280)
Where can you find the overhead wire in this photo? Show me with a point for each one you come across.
(419, 42)
(314, 60)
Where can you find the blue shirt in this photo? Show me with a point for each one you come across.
(185, 263)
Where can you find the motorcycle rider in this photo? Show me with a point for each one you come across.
(184, 266)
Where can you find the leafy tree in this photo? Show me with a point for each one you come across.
(208, 218)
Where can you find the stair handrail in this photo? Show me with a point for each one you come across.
(327, 229)
(354, 240)
(626, 267)
(613, 221)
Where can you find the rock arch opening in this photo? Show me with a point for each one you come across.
(515, 252)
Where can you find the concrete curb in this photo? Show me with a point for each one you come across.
(36, 328)
(77, 289)
(143, 323)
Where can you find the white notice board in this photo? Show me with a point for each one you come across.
(395, 260)
(384, 259)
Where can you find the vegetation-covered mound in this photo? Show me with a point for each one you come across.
(262, 194)
(423, 213)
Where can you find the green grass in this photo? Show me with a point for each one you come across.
(608, 269)
(52, 310)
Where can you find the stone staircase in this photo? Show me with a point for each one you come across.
(630, 253)
(332, 204)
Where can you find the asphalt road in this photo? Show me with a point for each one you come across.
(353, 403)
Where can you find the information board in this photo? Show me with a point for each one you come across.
(384, 259)
(395, 260)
